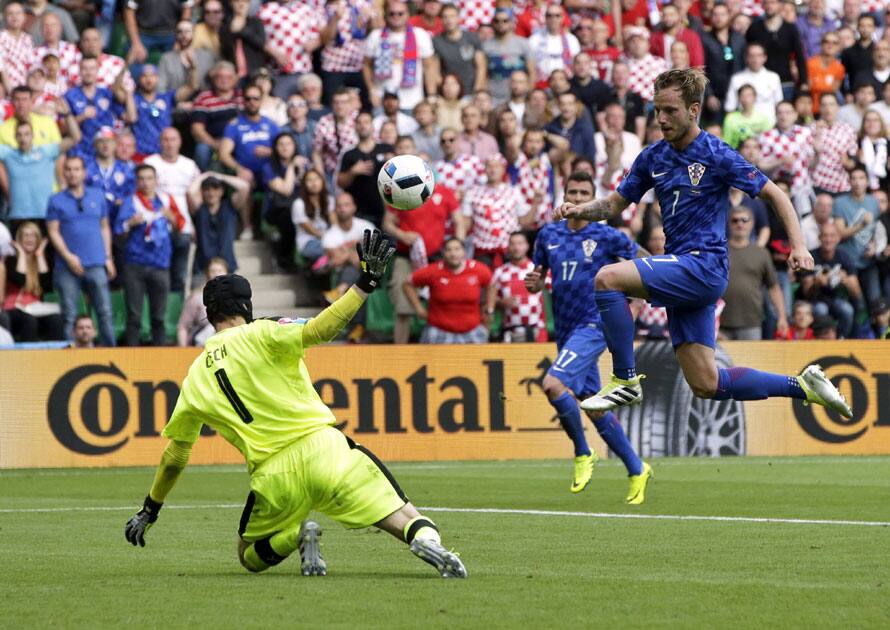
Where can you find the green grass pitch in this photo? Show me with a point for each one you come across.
(68, 564)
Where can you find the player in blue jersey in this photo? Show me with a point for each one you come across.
(574, 251)
(691, 172)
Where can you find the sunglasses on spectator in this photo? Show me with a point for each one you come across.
(253, 98)
(448, 140)
(739, 220)
(296, 104)
(396, 13)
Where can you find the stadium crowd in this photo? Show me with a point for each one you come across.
(140, 141)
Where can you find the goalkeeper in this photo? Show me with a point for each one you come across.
(252, 386)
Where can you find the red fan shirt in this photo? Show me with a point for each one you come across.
(455, 297)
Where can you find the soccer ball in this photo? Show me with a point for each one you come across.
(405, 182)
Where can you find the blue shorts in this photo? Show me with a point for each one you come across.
(576, 364)
(688, 285)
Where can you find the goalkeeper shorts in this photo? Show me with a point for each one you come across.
(325, 471)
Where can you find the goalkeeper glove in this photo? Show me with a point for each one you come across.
(141, 521)
(374, 252)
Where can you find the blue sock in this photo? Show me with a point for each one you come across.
(570, 419)
(618, 327)
(741, 383)
(610, 430)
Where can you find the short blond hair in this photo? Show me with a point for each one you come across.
(691, 82)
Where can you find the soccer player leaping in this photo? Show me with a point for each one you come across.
(252, 386)
(691, 171)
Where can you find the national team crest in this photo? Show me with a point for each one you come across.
(696, 171)
(589, 247)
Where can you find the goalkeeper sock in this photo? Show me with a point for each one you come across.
(421, 527)
(614, 436)
(570, 419)
(270, 551)
(618, 328)
(741, 383)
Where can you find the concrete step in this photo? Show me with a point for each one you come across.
(303, 312)
(252, 248)
(253, 265)
(282, 298)
(275, 281)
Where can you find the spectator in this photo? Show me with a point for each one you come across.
(342, 57)
(299, 126)
(271, 106)
(212, 111)
(406, 74)
(553, 47)
(495, 210)
(458, 171)
(311, 214)
(672, 30)
(154, 112)
(765, 82)
(570, 126)
(524, 319)
(426, 136)
(208, 29)
(781, 41)
(851, 113)
(242, 39)
(427, 17)
(539, 110)
(832, 285)
(293, 33)
(16, 46)
(44, 129)
(593, 35)
(826, 73)
(679, 56)
(825, 327)
(813, 26)
(787, 152)
(590, 91)
(616, 149)
(150, 26)
(643, 66)
(748, 121)
(750, 150)
(634, 14)
(39, 12)
(216, 218)
(104, 171)
(723, 51)
(519, 91)
(193, 329)
(506, 52)
(482, 100)
(147, 219)
(83, 333)
(873, 150)
(859, 57)
(459, 52)
(27, 280)
(633, 104)
(750, 271)
(536, 177)
(834, 144)
(334, 133)
(450, 102)
(811, 225)
(880, 317)
(801, 323)
(455, 285)
(44, 100)
(79, 229)
(185, 68)
(94, 106)
(473, 140)
(110, 66)
(176, 173)
(405, 124)
(53, 44)
(507, 135)
(310, 88)
(359, 168)
(125, 150)
(29, 174)
(879, 74)
(281, 177)
(856, 216)
(54, 84)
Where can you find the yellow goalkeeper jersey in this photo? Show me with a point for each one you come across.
(252, 386)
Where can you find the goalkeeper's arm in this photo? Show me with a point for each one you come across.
(173, 461)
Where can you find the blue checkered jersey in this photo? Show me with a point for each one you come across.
(574, 257)
(692, 187)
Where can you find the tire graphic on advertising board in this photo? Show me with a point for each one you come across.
(671, 421)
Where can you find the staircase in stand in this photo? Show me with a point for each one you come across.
(274, 294)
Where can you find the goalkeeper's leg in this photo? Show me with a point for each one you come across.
(267, 552)
(423, 538)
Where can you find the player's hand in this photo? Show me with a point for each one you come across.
(374, 252)
(534, 280)
(565, 211)
(800, 259)
(139, 523)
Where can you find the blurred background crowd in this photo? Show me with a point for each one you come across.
(148, 146)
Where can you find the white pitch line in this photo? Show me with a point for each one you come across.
(516, 512)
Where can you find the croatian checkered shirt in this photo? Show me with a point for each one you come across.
(109, 67)
(752, 8)
(838, 141)
(289, 27)
(463, 173)
(643, 73)
(495, 212)
(534, 181)
(474, 13)
(68, 54)
(509, 279)
(332, 139)
(16, 53)
(797, 143)
(348, 56)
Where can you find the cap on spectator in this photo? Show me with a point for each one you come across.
(389, 94)
(823, 322)
(104, 133)
(212, 182)
(148, 68)
(879, 306)
(636, 31)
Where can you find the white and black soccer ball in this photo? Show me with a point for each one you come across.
(405, 182)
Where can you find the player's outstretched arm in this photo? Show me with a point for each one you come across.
(799, 258)
(374, 252)
(173, 462)
(596, 210)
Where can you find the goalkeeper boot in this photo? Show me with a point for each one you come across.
(637, 492)
(616, 393)
(447, 563)
(821, 391)
(311, 562)
(583, 471)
